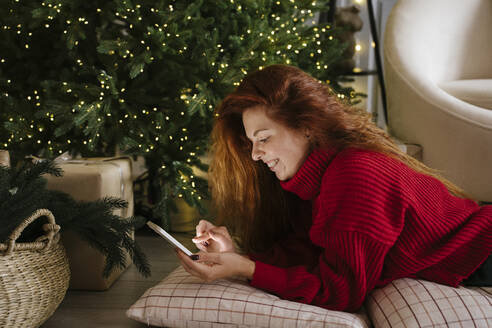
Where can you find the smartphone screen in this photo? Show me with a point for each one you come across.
(168, 237)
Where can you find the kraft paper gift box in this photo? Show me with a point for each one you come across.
(4, 158)
(91, 179)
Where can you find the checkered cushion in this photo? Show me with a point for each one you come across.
(420, 303)
(181, 300)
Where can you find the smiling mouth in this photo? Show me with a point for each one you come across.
(272, 164)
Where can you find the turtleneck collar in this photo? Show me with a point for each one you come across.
(307, 180)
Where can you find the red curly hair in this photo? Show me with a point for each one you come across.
(248, 197)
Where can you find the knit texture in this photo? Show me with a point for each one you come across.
(374, 220)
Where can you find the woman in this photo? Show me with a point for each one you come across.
(326, 206)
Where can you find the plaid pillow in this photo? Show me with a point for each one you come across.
(419, 303)
(181, 300)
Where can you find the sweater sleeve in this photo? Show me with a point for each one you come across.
(293, 250)
(345, 273)
(357, 218)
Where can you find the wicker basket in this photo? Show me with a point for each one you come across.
(34, 276)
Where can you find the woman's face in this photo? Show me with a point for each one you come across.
(282, 149)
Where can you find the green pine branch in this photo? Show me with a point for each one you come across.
(23, 191)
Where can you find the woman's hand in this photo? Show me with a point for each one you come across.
(212, 239)
(213, 266)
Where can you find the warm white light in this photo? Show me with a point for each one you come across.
(358, 47)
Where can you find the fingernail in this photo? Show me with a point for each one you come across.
(194, 257)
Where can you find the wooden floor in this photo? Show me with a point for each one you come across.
(107, 309)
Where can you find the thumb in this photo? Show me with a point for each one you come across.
(203, 237)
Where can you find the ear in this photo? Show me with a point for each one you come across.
(307, 133)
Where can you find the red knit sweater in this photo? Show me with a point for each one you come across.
(374, 220)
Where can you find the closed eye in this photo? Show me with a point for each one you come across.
(264, 140)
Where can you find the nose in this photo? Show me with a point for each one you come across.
(256, 153)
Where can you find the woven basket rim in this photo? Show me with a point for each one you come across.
(30, 246)
(44, 242)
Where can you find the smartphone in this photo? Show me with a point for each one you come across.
(168, 237)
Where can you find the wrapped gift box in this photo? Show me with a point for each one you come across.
(4, 158)
(89, 180)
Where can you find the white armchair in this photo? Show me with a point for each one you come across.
(438, 74)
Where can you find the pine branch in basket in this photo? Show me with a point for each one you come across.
(23, 191)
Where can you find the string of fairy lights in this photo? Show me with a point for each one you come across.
(290, 25)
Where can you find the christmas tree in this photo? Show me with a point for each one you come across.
(144, 76)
